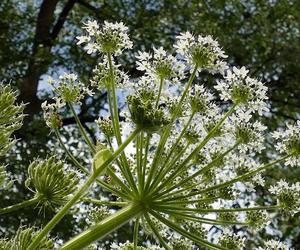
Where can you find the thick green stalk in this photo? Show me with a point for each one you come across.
(18, 206)
(82, 130)
(185, 233)
(78, 195)
(103, 228)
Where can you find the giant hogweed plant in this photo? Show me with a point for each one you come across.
(175, 165)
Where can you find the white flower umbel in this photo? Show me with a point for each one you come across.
(202, 52)
(288, 142)
(69, 88)
(274, 245)
(248, 92)
(287, 195)
(101, 76)
(160, 65)
(110, 38)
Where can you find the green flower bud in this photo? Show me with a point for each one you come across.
(23, 239)
(257, 219)
(51, 182)
(143, 112)
(11, 117)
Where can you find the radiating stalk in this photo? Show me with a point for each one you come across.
(105, 203)
(198, 148)
(156, 232)
(117, 124)
(82, 130)
(159, 91)
(84, 170)
(199, 172)
(185, 233)
(18, 206)
(167, 131)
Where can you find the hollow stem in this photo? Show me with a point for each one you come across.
(104, 227)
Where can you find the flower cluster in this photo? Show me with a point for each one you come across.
(288, 142)
(287, 195)
(231, 241)
(241, 89)
(202, 52)
(110, 38)
(69, 88)
(160, 65)
(101, 76)
(274, 245)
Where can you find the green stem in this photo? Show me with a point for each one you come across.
(156, 232)
(82, 130)
(103, 228)
(165, 171)
(117, 124)
(136, 233)
(105, 203)
(145, 159)
(72, 158)
(218, 210)
(203, 220)
(159, 91)
(185, 233)
(18, 206)
(79, 193)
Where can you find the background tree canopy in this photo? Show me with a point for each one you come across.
(37, 38)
